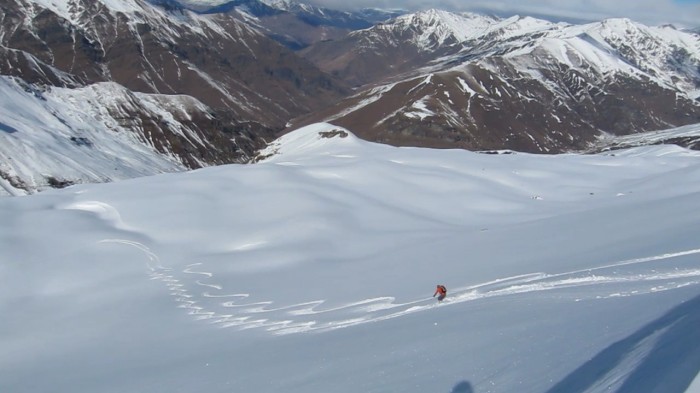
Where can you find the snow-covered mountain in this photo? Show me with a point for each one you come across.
(413, 41)
(209, 87)
(463, 80)
(313, 270)
(197, 89)
(294, 24)
(53, 137)
(688, 136)
(153, 50)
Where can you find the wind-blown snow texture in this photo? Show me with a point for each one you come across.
(313, 270)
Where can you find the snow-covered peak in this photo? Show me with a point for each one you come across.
(83, 12)
(522, 26)
(625, 29)
(165, 24)
(202, 3)
(434, 28)
(619, 30)
(310, 141)
(281, 4)
(72, 10)
(665, 54)
(68, 7)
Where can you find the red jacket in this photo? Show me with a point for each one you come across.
(441, 290)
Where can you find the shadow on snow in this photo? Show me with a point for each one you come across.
(8, 129)
(463, 387)
(662, 357)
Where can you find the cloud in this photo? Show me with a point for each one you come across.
(684, 13)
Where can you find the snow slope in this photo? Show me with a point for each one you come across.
(313, 270)
(89, 134)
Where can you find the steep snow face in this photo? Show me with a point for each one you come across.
(665, 54)
(100, 133)
(313, 271)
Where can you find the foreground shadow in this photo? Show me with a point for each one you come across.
(463, 387)
(8, 129)
(662, 357)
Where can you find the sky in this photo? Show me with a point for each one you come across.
(314, 270)
(684, 13)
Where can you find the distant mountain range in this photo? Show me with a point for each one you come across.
(440, 79)
(295, 25)
(249, 85)
(182, 84)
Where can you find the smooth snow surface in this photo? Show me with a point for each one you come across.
(313, 271)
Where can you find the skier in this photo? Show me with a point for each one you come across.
(442, 291)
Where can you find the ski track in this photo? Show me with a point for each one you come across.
(230, 310)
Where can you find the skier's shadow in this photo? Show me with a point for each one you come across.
(462, 387)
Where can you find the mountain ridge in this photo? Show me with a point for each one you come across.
(249, 86)
(204, 89)
(295, 25)
(565, 84)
